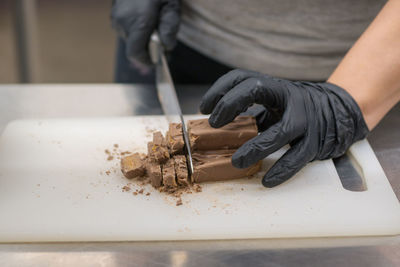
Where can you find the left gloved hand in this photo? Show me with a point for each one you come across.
(136, 20)
(319, 120)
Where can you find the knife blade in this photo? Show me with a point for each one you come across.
(167, 93)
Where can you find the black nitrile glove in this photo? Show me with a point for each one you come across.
(136, 20)
(319, 120)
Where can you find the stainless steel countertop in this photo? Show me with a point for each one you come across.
(108, 100)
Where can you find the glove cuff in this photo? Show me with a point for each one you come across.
(361, 128)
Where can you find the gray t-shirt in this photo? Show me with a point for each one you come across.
(301, 39)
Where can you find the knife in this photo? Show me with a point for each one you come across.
(167, 93)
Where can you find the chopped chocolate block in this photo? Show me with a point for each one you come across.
(181, 170)
(233, 135)
(154, 173)
(168, 173)
(166, 166)
(133, 166)
(157, 150)
(175, 138)
(216, 166)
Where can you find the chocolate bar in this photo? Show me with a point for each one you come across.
(233, 135)
(217, 166)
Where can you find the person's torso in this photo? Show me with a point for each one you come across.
(302, 39)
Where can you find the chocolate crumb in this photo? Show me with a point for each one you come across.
(116, 145)
(134, 193)
(126, 188)
(148, 194)
(141, 191)
(108, 172)
(179, 202)
(197, 188)
(110, 158)
(107, 151)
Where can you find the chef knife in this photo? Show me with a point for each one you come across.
(166, 92)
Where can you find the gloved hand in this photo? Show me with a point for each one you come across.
(135, 21)
(318, 120)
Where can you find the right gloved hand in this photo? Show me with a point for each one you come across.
(319, 120)
(135, 21)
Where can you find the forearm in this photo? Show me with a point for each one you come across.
(370, 71)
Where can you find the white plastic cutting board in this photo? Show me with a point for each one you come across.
(54, 187)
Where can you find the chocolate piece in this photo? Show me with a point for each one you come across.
(216, 166)
(154, 173)
(175, 138)
(168, 173)
(133, 166)
(157, 150)
(233, 135)
(181, 170)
